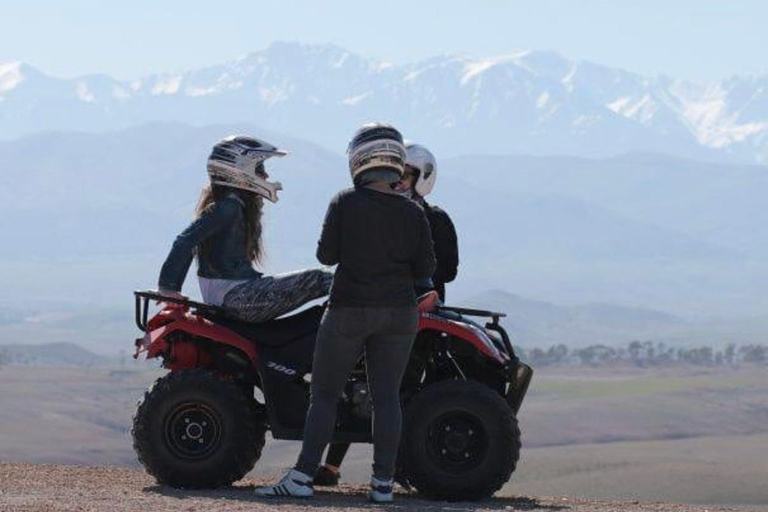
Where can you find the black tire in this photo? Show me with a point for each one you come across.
(460, 441)
(195, 429)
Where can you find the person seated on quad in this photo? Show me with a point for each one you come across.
(417, 182)
(382, 244)
(226, 237)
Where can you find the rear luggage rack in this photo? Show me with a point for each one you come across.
(143, 298)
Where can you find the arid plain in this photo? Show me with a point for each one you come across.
(678, 434)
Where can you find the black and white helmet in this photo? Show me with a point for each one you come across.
(376, 146)
(421, 159)
(237, 161)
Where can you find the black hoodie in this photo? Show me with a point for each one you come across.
(381, 242)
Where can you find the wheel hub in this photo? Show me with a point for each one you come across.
(193, 431)
(457, 441)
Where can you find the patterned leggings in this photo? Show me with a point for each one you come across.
(269, 297)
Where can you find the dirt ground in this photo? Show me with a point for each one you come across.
(54, 488)
(673, 436)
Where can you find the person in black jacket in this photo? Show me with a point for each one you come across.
(418, 180)
(381, 243)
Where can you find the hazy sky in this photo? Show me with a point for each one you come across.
(699, 39)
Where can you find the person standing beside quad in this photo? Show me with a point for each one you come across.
(418, 181)
(381, 242)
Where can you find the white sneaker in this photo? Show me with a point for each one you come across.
(294, 484)
(381, 490)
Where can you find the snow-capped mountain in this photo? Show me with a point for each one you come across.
(528, 102)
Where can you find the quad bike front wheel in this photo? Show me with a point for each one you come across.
(460, 441)
(196, 429)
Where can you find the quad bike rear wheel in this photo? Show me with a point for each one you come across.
(196, 429)
(460, 441)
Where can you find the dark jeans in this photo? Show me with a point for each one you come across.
(336, 454)
(386, 336)
(337, 451)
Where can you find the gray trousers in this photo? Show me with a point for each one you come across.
(268, 297)
(386, 336)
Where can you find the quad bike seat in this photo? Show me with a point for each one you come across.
(275, 333)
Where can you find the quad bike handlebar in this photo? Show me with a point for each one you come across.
(474, 312)
(493, 325)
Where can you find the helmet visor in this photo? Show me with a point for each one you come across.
(411, 171)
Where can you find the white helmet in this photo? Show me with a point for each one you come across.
(421, 159)
(376, 146)
(237, 161)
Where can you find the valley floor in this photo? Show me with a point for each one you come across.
(673, 435)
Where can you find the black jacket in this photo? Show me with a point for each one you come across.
(224, 222)
(446, 247)
(381, 242)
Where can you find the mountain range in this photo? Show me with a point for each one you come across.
(532, 102)
(91, 217)
(569, 183)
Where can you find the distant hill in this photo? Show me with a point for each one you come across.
(105, 209)
(538, 323)
(720, 204)
(49, 354)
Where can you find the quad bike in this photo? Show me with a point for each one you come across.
(203, 424)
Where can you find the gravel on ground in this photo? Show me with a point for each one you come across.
(57, 488)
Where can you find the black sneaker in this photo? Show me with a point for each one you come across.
(326, 477)
(402, 480)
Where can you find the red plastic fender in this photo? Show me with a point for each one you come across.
(198, 326)
(187, 354)
(428, 321)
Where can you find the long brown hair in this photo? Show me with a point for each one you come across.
(253, 211)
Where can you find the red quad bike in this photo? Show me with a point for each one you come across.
(203, 424)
